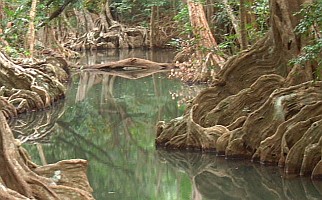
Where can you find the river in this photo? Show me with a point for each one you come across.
(110, 121)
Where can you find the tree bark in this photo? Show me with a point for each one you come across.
(261, 122)
(152, 27)
(210, 11)
(106, 16)
(234, 21)
(200, 25)
(131, 64)
(243, 21)
(27, 88)
(204, 38)
(31, 31)
(81, 22)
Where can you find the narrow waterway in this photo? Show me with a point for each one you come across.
(110, 121)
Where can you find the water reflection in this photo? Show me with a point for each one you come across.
(99, 57)
(110, 121)
(216, 178)
(37, 126)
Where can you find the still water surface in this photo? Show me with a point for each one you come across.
(110, 121)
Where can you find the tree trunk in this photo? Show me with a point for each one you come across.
(81, 21)
(233, 19)
(243, 21)
(200, 25)
(152, 27)
(1, 12)
(106, 16)
(31, 32)
(210, 11)
(254, 110)
(206, 45)
(88, 20)
(109, 16)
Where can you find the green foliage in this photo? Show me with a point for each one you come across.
(123, 6)
(16, 21)
(92, 6)
(15, 24)
(137, 11)
(225, 35)
(183, 18)
(261, 10)
(16, 52)
(310, 27)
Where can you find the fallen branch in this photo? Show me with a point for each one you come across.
(131, 64)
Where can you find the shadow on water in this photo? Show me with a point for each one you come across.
(110, 121)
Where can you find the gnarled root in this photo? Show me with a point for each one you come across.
(245, 102)
(311, 158)
(116, 36)
(22, 180)
(317, 171)
(282, 105)
(294, 159)
(8, 109)
(193, 136)
(270, 149)
(282, 130)
(26, 88)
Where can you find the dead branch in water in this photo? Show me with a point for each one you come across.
(131, 64)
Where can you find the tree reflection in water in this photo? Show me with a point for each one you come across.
(110, 121)
(215, 177)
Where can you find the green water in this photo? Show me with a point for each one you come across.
(110, 121)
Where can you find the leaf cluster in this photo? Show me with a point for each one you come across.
(310, 27)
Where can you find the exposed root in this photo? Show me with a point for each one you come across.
(281, 129)
(30, 180)
(193, 137)
(317, 171)
(275, 148)
(116, 36)
(8, 109)
(282, 105)
(294, 159)
(27, 88)
(222, 143)
(312, 156)
(245, 102)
